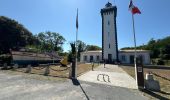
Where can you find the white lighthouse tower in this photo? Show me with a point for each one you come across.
(109, 33)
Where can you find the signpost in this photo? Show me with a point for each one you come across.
(140, 76)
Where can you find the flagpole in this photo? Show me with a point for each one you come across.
(76, 53)
(76, 45)
(134, 35)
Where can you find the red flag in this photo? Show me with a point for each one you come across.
(133, 8)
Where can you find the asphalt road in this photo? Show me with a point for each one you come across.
(19, 87)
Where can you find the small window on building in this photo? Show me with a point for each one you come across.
(123, 58)
(142, 57)
(109, 46)
(97, 58)
(91, 58)
(108, 34)
(85, 58)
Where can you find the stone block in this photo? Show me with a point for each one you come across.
(5, 66)
(15, 66)
(152, 85)
(28, 70)
(47, 71)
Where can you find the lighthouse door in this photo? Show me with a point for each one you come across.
(109, 58)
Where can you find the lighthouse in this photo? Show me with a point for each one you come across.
(109, 33)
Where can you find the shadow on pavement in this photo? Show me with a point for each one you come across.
(155, 95)
(77, 83)
(164, 93)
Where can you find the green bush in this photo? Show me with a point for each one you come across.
(160, 62)
(166, 56)
(167, 62)
(5, 58)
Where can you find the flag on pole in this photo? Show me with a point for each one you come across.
(77, 23)
(133, 8)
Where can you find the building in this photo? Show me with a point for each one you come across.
(91, 56)
(110, 52)
(125, 56)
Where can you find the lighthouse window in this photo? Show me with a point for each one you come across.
(109, 45)
(108, 22)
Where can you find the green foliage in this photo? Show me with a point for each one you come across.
(69, 56)
(50, 41)
(160, 62)
(13, 35)
(63, 54)
(81, 47)
(159, 48)
(72, 53)
(127, 48)
(93, 48)
(5, 58)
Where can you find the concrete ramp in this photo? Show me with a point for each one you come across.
(110, 75)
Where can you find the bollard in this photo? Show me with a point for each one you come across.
(47, 71)
(15, 66)
(70, 71)
(93, 66)
(5, 66)
(149, 76)
(28, 70)
(151, 84)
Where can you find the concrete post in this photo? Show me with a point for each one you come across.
(5, 66)
(15, 67)
(70, 71)
(93, 66)
(28, 70)
(47, 71)
(73, 73)
(151, 84)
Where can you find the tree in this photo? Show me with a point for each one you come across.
(51, 41)
(93, 47)
(13, 35)
(159, 48)
(72, 53)
(81, 47)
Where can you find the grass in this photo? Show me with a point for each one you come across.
(57, 71)
(164, 94)
(82, 68)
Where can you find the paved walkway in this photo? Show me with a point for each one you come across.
(117, 77)
(19, 86)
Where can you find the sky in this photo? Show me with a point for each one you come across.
(60, 16)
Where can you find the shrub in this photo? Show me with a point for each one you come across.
(5, 58)
(166, 56)
(160, 62)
